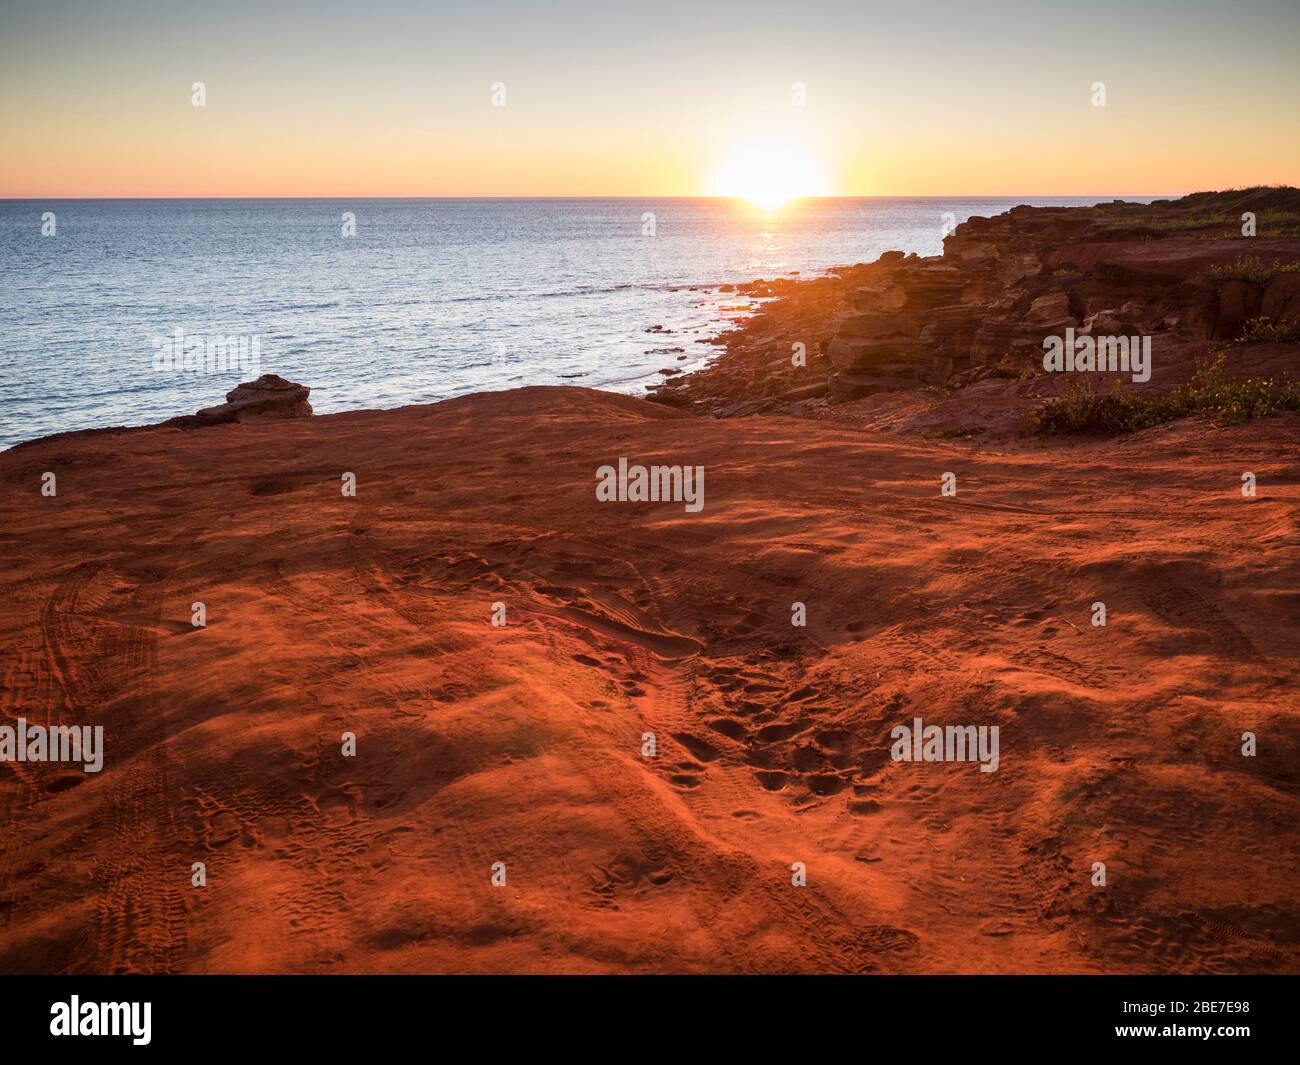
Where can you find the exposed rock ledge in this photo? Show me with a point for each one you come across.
(270, 396)
(982, 309)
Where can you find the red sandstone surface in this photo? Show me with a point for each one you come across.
(524, 744)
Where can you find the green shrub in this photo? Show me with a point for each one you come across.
(1256, 271)
(953, 433)
(1163, 227)
(1210, 392)
(1266, 331)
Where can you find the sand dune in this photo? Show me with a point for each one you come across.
(523, 744)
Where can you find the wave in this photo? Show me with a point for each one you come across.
(593, 290)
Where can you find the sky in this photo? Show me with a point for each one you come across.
(388, 98)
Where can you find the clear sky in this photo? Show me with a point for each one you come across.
(389, 98)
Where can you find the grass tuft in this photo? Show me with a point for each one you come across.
(1254, 270)
(1266, 331)
(1210, 393)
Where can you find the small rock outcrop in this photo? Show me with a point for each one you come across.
(269, 397)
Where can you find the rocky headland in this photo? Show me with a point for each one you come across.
(953, 343)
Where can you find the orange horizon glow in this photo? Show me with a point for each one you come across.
(401, 101)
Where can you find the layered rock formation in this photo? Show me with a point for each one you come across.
(1179, 271)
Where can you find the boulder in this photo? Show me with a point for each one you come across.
(888, 356)
(1282, 298)
(1239, 301)
(269, 397)
(877, 324)
(934, 286)
(945, 322)
(983, 291)
(1103, 323)
(1012, 266)
(1051, 307)
(997, 338)
(966, 249)
(887, 297)
(849, 386)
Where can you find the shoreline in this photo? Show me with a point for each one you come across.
(427, 341)
(912, 328)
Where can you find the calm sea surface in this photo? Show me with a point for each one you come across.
(429, 299)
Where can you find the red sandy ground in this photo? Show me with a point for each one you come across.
(522, 745)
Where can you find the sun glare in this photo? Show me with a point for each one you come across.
(769, 173)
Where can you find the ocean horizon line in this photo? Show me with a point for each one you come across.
(968, 197)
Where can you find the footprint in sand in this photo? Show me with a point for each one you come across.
(700, 750)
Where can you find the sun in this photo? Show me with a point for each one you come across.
(769, 172)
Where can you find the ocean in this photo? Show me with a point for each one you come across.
(381, 303)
